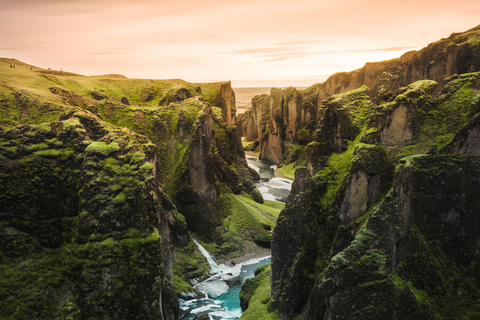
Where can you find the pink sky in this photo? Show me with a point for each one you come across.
(251, 42)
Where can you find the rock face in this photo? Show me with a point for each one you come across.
(80, 202)
(281, 119)
(382, 223)
(207, 160)
(301, 110)
(226, 101)
(419, 236)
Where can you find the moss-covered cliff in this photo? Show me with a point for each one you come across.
(282, 129)
(84, 223)
(382, 219)
(102, 178)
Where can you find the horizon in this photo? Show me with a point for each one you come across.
(250, 43)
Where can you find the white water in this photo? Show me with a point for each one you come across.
(222, 289)
(271, 188)
(215, 268)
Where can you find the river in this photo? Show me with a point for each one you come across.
(222, 289)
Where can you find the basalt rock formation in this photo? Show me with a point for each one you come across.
(280, 120)
(102, 179)
(382, 220)
(282, 128)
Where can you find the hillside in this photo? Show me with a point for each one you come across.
(103, 179)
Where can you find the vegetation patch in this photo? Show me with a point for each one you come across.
(335, 171)
(259, 300)
(102, 148)
(246, 222)
(271, 207)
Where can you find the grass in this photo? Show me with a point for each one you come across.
(258, 303)
(245, 221)
(271, 207)
(37, 87)
(288, 170)
(247, 145)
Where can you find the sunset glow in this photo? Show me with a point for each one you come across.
(252, 43)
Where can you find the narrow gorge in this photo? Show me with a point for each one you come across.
(116, 193)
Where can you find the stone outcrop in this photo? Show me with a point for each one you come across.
(459, 53)
(175, 94)
(225, 100)
(281, 119)
(467, 139)
(422, 238)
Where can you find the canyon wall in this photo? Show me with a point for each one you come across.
(102, 179)
(382, 220)
(292, 122)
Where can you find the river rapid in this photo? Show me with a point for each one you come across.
(222, 289)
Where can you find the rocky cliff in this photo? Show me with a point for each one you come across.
(85, 225)
(283, 130)
(102, 178)
(382, 221)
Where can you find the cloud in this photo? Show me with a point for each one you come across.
(266, 50)
(17, 48)
(282, 53)
(110, 51)
(282, 58)
(295, 43)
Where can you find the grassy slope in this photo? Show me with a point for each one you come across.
(36, 83)
(260, 299)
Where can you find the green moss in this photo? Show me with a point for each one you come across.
(358, 104)
(408, 161)
(23, 288)
(271, 207)
(446, 114)
(260, 299)
(146, 166)
(336, 169)
(36, 147)
(180, 286)
(138, 157)
(102, 148)
(55, 153)
(188, 261)
(303, 134)
(70, 123)
(119, 199)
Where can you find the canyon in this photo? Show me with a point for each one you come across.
(104, 181)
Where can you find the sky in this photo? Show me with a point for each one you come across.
(250, 42)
